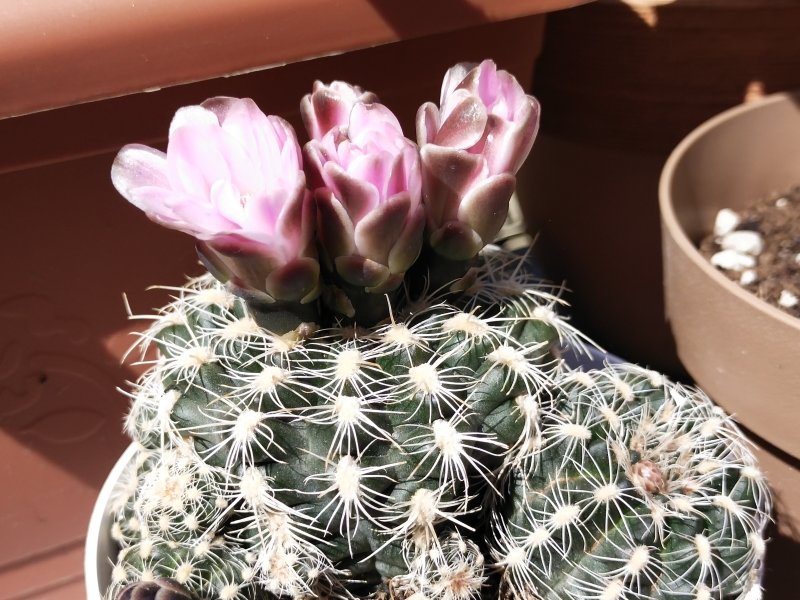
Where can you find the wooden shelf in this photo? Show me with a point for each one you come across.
(59, 53)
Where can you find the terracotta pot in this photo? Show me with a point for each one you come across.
(620, 84)
(743, 351)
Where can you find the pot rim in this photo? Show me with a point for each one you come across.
(99, 524)
(676, 230)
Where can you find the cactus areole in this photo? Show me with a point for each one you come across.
(364, 398)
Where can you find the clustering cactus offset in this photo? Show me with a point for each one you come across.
(637, 488)
(365, 400)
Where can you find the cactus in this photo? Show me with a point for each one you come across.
(338, 461)
(638, 488)
(363, 399)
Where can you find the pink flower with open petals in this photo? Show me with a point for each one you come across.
(232, 177)
(471, 148)
(368, 197)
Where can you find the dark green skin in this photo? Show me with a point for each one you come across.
(300, 447)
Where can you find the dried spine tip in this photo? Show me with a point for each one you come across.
(649, 476)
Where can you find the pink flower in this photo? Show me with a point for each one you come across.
(329, 106)
(471, 148)
(368, 197)
(231, 177)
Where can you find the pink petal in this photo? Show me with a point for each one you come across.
(293, 220)
(357, 197)
(368, 118)
(334, 225)
(405, 173)
(373, 168)
(361, 271)
(199, 216)
(488, 84)
(314, 160)
(329, 106)
(453, 78)
(157, 203)
(529, 114)
(464, 125)
(485, 207)
(138, 166)
(427, 123)
(330, 110)
(447, 174)
(194, 116)
(456, 241)
(378, 231)
(508, 143)
(409, 244)
(252, 144)
(196, 159)
(250, 131)
(239, 260)
(296, 281)
(227, 200)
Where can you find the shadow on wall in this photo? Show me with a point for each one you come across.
(68, 262)
(403, 21)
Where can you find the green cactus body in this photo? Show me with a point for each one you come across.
(371, 403)
(333, 462)
(638, 488)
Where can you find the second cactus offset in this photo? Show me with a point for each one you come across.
(636, 488)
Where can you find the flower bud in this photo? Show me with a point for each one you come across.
(160, 588)
(471, 148)
(368, 198)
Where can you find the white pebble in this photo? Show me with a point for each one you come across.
(726, 221)
(797, 258)
(748, 277)
(788, 299)
(731, 260)
(782, 202)
(746, 242)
